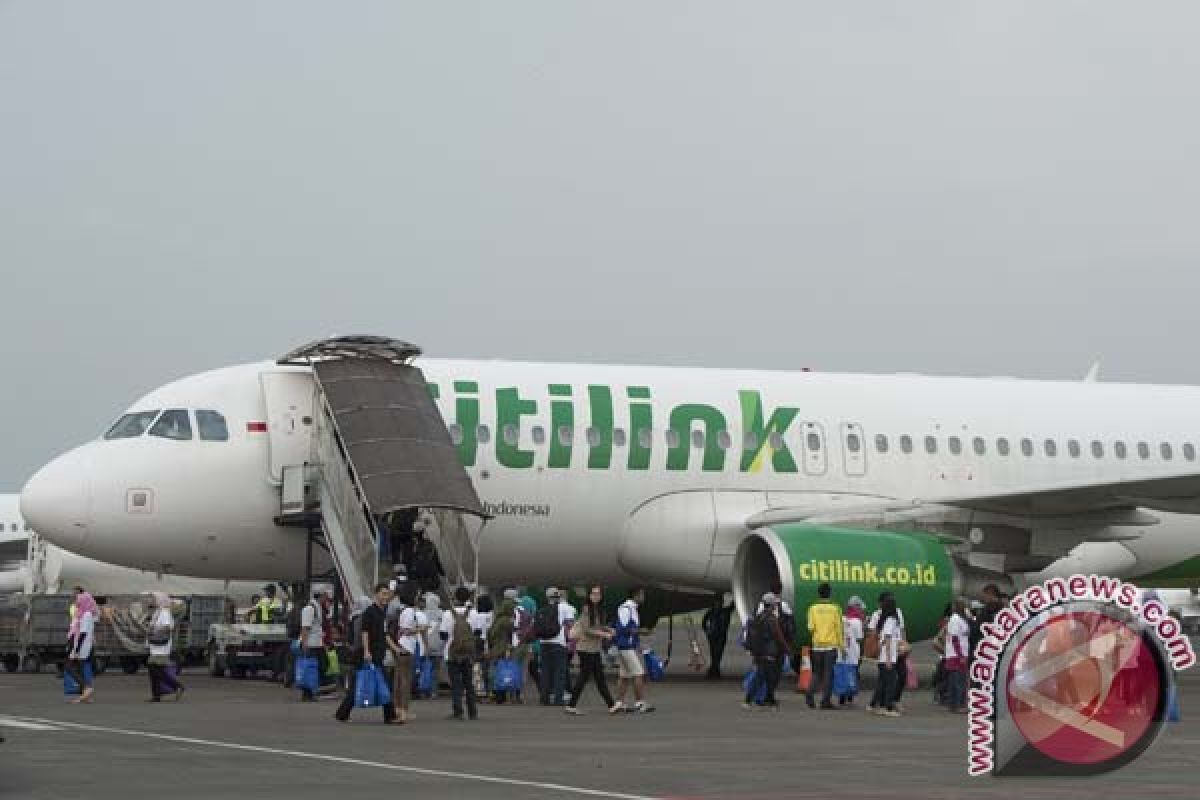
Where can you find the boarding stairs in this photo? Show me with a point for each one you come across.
(379, 445)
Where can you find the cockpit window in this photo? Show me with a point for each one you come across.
(131, 425)
(173, 424)
(211, 426)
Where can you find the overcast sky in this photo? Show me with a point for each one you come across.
(978, 188)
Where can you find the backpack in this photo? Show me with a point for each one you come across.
(760, 637)
(787, 624)
(545, 622)
(462, 642)
(500, 635)
(626, 637)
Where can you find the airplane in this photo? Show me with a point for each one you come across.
(29, 565)
(695, 481)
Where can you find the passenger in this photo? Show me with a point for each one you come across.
(630, 668)
(901, 665)
(160, 636)
(370, 646)
(528, 649)
(312, 641)
(460, 653)
(716, 629)
(482, 618)
(81, 637)
(501, 643)
(958, 631)
(435, 647)
(403, 637)
(852, 632)
(828, 642)
(787, 619)
(550, 626)
(768, 645)
(427, 564)
(886, 623)
(589, 634)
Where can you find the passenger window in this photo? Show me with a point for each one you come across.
(1002, 446)
(853, 444)
(211, 426)
(980, 446)
(881, 443)
(511, 435)
(814, 443)
(483, 434)
(906, 443)
(672, 438)
(618, 437)
(930, 445)
(1027, 447)
(1120, 450)
(593, 437)
(645, 438)
(565, 435)
(173, 424)
(750, 441)
(1143, 450)
(456, 434)
(724, 440)
(1098, 449)
(539, 434)
(1050, 447)
(775, 440)
(1166, 451)
(955, 445)
(1073, 448)
(1189, 451)
(131, 425)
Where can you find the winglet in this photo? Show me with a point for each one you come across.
(1093, 374)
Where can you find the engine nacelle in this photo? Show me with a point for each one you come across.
(914, 566)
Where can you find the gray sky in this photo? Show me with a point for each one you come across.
(956, 187)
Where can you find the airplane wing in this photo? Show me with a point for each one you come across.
(1179, 493)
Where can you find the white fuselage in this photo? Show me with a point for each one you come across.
(614, 473)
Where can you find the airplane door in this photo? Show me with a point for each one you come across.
(854, 449)
(289, 399)
(813, 448)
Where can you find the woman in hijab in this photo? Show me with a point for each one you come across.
(433, 642)
(160, 637)
(852, 629)
(82, 636)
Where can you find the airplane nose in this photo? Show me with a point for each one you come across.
(56, 501)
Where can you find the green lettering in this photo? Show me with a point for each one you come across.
(641, 418)
(466, 416)
(562, 420)
(509, 410)
(682, 418)
(752, 423)
(600, 400)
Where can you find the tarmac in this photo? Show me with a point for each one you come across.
(249, 738)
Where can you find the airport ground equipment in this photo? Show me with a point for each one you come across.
(378, 445)
(13, 613)
(243, 649)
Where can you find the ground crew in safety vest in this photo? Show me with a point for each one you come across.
(828, 639)
(268, 607)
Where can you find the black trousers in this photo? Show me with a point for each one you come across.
(161, 681)
(591, 667)
(901, 677)
(553, 683)
(885, 689)
(460, 684)
(343, 712)
(822, 675)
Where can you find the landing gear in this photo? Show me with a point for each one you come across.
(716, 630)
(216, 662)
(31, 663)
(12, 662)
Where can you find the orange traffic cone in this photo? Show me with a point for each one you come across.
(804, 674)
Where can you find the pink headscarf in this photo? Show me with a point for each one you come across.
(84, 603)
(855, 612)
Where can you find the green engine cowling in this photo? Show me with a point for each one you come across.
(914, 566)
